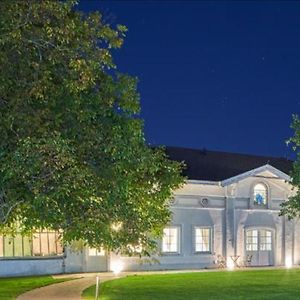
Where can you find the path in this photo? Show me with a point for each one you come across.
(71, 290)
(68, 290)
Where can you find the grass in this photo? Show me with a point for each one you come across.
(252, 284)
(10, 288)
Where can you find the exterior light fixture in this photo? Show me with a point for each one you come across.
(116, 267)
(229, 264)
(288, 262)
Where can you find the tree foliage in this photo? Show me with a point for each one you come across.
(72, 149)
(291, 208)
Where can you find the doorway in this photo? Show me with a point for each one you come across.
(259, 244)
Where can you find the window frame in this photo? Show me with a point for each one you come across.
(254, 204)
(178, 243)
(59, 249)
(210, 228)
(251, 237)
(264, 242)
(98, 252)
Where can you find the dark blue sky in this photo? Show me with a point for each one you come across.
(220, 75)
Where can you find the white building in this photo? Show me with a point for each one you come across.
(229, 208)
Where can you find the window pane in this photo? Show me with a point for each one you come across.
(59, 246)
(52, 243)
(265, 240)
(202, 239)
(170, 239)
(18, 245)
(27, 244)
(8, 246)
(260, 194)
(92, 252)
(252, 240)
(101, 251)
(96, 252)
(1, 246)
(36, 247)
(44, 244)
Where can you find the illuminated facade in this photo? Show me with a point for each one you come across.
(229, 207)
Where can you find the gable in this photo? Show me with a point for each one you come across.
(278, 188)
(266, 171)
(266, 174)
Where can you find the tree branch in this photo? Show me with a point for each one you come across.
(4, 215)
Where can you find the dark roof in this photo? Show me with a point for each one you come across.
(217, 166)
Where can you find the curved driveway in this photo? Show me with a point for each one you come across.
(72, 290)
(68, 290)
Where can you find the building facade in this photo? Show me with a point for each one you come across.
(229, 208)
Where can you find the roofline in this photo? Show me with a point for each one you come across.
(204, 149)
(208, 182)
(242, 176)
(253, 172)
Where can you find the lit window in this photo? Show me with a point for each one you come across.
(170, 242)
(96, 252)
(1, 246)
(202, 239)
(46, 243)
(265, 240)
(260, 194)
(42, 243)
(252, 240)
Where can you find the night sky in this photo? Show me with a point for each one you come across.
(217, 75)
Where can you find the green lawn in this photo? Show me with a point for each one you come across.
(10, 288)
(252, 284)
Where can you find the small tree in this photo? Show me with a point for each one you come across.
(72, 149)
(291, 208)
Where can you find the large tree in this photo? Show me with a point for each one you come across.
(291, 208)
(72, 150)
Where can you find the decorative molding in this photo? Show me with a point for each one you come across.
(254, 172)
(198, 196)
(254, 210)
(208, 182)
(197, 207)
(204, 202)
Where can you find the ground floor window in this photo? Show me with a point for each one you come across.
(202, 239)
(258, 240)
(170, 242)
(39, 244)
(251, 240)
(265, 240)
(96, 252)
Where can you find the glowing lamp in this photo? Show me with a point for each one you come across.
(117, 267)
(288, 262)
(230, 264)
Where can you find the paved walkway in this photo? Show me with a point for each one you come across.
(72, 290)
(69, 290)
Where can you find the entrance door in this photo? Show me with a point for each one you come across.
(259, 244)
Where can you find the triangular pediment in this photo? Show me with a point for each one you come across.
(267, 174)
(263, 171)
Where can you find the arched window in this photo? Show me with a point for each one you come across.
(260, 194)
